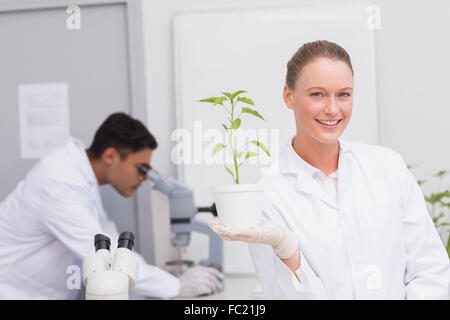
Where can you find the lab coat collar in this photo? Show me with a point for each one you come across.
(292, 163)
(81, 160)
(78, 150)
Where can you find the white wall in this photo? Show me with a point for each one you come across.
(413, 77)
(413, 69)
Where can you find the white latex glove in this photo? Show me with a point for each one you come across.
(266, 232)
(199, 280)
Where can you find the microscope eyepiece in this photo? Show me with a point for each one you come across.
(126, 240)
(101, 242)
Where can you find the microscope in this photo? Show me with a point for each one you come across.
(106, 282)
(183, 221)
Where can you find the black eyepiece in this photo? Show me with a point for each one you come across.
(126, 240)
(101, 242)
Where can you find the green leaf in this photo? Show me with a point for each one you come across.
(226, 128)
(261, 145)
(228, 169)
(409, 166)
(436, 219)
(214, 100)
(236, 124)
(445, 204)
(437, 197)
(443, 224)
(448, 246)
(245, 100)
(218, 147)
(250, 154)
(419, 182)
(234, 95)
(431, 199)
(252, 112)
(228, 95)
(441, 173)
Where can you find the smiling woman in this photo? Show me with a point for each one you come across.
(319, 88)
(341, 219)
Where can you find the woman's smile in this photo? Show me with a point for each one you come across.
(329, 124)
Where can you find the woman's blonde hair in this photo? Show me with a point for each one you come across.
(310, 51)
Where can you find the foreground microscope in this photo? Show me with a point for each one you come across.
(104, 281)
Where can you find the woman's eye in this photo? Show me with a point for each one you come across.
(316, 94)
(344, 94)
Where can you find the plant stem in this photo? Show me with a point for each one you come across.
(236, 168)
(231, 144)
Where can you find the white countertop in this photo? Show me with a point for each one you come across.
(237, 287)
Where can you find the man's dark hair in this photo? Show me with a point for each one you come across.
(123, 133)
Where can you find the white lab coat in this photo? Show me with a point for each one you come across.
(48, 224)
(376, 241)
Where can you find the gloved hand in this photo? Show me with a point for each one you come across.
(199, 280)
(266, 232)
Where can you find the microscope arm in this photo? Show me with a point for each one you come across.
(181, 198)
(165, 185)
(182, 216)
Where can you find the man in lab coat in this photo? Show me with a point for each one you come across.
(48, 223)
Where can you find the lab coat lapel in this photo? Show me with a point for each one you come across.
(344, 178)
(97, 201)
(309, 186)
(291, 163)
(81, 159)
(306, 185)
(345, 197)
(348, 182)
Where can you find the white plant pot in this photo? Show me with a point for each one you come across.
(238, 205)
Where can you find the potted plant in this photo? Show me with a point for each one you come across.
(238, 205)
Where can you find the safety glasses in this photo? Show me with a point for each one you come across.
(143, 169)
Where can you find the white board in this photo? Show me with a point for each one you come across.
(229, 51)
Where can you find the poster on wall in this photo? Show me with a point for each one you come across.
(44, 118)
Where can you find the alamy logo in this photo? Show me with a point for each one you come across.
(73, 281)
(73, 22)
(374, 19)
(373, 273)
(197, 146)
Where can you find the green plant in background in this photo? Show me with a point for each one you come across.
(234, 123)
(439, 205)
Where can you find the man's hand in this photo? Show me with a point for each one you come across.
(267, 232)
(199, 280)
